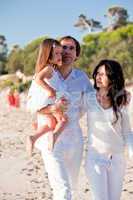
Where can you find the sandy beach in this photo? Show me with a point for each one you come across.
(24, 178)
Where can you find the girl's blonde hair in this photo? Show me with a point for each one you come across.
(45, 53)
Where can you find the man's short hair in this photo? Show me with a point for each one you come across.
(68, 37)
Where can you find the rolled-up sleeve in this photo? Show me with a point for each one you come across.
(127, 131)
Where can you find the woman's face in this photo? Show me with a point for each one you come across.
(102, 80)
(57, 56)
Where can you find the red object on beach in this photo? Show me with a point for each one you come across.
(17, 100)
(11, 99)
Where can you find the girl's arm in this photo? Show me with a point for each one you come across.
(47, 72)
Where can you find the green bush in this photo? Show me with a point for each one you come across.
(117, 45)
(19, 86)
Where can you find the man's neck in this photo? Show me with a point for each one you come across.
(65, 71)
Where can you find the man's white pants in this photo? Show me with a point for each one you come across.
(62, 166)
(105, 174)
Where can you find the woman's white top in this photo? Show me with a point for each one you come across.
(104, 135)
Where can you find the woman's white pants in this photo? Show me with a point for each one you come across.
(105, 174)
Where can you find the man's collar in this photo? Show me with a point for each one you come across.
(71, 75)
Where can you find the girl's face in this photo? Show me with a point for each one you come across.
(102, 80)
(57, 56)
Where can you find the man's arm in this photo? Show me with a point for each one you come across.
(53, 108)
(48, 109)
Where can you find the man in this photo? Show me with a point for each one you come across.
(63, 163)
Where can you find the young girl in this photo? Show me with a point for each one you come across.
(45, 89)
(109, 131)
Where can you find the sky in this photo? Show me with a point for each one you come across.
(22, 21)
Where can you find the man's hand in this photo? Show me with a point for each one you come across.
(62, 104)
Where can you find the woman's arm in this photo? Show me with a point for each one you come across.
(126, 131)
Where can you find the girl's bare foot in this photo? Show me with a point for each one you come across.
(35, 125)
(29, 145)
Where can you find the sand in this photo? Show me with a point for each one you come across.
(24, 178)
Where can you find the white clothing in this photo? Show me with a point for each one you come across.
(130, 109)
(38, 97)
(106, 143)
(105, 174)
(63, 163)
(104, 136)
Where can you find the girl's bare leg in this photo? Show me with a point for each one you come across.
(52, 137)
(30, 140)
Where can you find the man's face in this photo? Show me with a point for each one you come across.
(69, 51)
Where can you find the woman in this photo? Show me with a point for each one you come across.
(109, 131)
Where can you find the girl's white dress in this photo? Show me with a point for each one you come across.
(37, 96)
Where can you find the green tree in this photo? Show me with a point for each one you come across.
(85, 23)
(118, 17)
(30, 55)
(117, 44)
(15, 60)
(3, 54)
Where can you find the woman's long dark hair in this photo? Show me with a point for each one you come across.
(116, 93)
